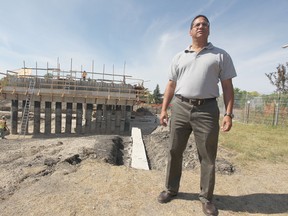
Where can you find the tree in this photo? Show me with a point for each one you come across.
(157, 96)
(241, 97)
(279, 79)
(149, 97)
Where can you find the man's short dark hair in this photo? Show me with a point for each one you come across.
(200, 15)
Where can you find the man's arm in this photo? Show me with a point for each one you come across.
(228, 94)
(168, 95)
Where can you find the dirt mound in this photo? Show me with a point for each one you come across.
(157, 146)
(142, 112)
(28, 160)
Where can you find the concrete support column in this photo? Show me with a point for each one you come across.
(98, 118)
(79, 116)
(122, 119)
(122, 125)
(108, 119)
(23, 106)
(103, 120)
(84, 107)
(47, 117)
(58, 117)
(117, 119)
(88, 117)
(93, 120)
(127, 127)
(14, 117)
(113, 119)
(37, 117)
(69, 111)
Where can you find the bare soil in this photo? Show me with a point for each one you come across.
(91, 175)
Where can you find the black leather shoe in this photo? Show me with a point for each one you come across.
(165, 197)
(209, 209)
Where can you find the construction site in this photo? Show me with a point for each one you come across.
(70, 101)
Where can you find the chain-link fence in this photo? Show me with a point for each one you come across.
(268, 110)
(271, 110)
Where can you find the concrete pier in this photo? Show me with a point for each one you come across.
(47, 117)
(79, 116)
(68, 122)
(14, 115)
(37, 117)
(58, 117)
(98, 105)
(88, 118)
(106, 119)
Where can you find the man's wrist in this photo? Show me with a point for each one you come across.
(231, 115)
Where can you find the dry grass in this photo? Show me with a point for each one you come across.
(257, 143)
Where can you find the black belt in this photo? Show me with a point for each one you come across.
(194, 102)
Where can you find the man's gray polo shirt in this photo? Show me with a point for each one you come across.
(197, 74)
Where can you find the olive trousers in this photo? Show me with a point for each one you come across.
(203, 120)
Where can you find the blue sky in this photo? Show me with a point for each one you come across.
(145, 34)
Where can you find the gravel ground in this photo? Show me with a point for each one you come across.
(91, 175)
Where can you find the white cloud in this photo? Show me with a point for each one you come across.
(144, 34)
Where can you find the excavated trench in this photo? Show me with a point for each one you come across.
(156, 151)
(28, 162)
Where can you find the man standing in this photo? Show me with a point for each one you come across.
(193, 80)
(84, 74)
(3, 125)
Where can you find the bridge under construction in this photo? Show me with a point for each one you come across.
(89, 102)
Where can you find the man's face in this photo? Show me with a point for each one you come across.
(200, 28)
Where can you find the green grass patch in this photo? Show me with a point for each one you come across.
(256, 142)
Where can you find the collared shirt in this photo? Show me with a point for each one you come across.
(198, 74)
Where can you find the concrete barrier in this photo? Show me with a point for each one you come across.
(139, 158)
